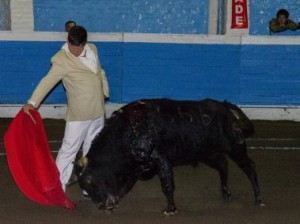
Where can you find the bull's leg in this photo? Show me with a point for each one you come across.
(220, 163)
(165, 174)
(240, 157)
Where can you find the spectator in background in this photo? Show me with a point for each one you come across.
(69, 24)
(282, 22)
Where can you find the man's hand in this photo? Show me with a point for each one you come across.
(27, 107)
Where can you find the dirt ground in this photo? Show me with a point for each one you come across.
(275, 148)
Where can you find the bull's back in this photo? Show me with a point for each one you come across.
(184, 130)
(168, 112)
(179, 129)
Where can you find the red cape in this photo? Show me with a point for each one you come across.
(31, 162)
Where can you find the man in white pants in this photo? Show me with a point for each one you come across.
(78, 67)
(77, 133)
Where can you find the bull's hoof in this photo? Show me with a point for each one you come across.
(226, 193)
(259, 202)
(170, 213)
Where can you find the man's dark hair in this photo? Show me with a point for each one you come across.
(282, 12)
(77, 36)
(67, 24)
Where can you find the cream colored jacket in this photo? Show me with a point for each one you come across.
(85, 89)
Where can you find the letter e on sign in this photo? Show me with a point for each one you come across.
(239, 17)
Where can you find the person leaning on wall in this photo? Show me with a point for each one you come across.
(69, 24)
(282, 22)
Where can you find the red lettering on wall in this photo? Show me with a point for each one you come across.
(239, 14)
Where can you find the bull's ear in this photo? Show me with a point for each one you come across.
(83, 162)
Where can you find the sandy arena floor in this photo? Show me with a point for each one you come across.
(275, 148)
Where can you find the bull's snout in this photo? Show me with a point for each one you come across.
(110, 204)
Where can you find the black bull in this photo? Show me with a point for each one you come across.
(150, 137)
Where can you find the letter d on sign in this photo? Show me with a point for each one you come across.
(239, 17)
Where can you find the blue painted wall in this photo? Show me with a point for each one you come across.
(243, 74)
(183, 71)
(149, 16)
(23, 64)
(270, 74)
(261, 11)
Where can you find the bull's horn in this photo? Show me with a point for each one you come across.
(141, 102)
(235, 113)
(83, 162)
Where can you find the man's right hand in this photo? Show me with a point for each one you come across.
(27, 107)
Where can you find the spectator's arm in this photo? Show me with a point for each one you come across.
(275, 27)
(291, 25)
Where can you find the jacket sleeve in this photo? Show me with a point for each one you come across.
(47, 83)
(105, 85)
(102, 74)
(291, 25)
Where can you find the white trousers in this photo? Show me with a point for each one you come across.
(77, 134)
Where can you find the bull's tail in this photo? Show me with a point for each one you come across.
(242, 120)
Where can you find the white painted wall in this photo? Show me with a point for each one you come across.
(253, 112)
(213, 17)
(21, 15)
